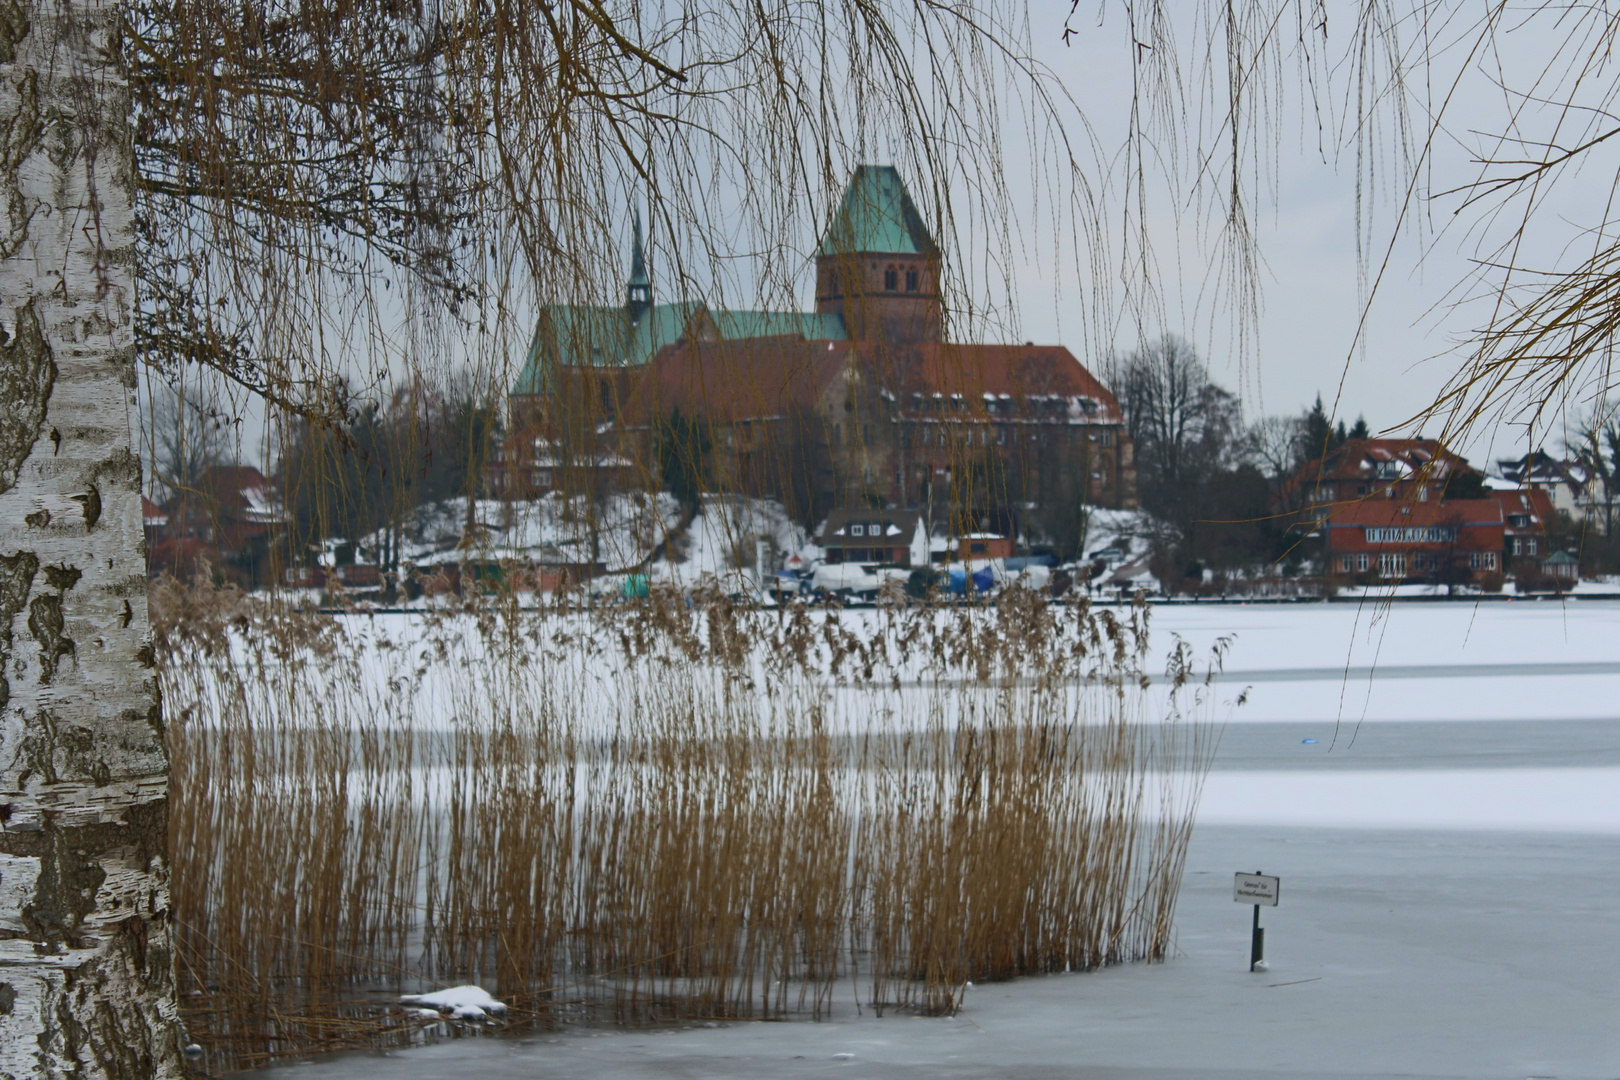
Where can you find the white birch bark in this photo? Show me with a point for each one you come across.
(86, 966)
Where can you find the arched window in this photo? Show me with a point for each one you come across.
(891, 278)
(911, 279)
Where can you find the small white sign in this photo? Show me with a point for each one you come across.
(1256, 889)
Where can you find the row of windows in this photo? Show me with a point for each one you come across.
(1325, 494)
(943, 436)
(956, 403)
(1392, 564)
(1411, 534)
(893, 276)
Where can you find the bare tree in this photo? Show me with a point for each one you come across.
(1179, 420)
(187, 433)
(1273, 443)
(1477, 129)
(1597, 446)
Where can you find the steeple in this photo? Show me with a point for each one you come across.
(638, 291)
(878, 267)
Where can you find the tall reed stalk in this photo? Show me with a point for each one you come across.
(661, 811)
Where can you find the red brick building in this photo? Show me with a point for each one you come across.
(863, 401)
(232, 516)
(1398, 540)
(1418, 470)
(1526, 513)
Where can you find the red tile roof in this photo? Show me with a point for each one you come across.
(1478, 525)
(736, 380)
(1018, 371)
(756, 378)
(1535, 502)
(1360, 458)
(1380, 511)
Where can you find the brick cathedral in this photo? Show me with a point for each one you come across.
(861, 402)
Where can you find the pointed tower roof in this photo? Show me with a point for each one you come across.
(638, 261)
(877, 214)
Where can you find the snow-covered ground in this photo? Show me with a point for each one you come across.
(1437, 786)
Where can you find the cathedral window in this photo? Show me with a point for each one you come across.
(911, 279)
(891, 279)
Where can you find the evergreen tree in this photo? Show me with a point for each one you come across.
(1465, 484)
(683, 450)
(1315, 433)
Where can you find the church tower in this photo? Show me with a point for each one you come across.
(638, 290)
(877, 266)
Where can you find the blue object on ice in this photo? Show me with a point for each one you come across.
(984, 580)
(957, 583)
(1308, 742)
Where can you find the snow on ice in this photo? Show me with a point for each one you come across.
(459, 1002)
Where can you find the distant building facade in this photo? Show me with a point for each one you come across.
(888, 537)
(1416, 469)
(1410, 510)
(860, 402)
(1569, 483)
(231, 516)
(1395, 540)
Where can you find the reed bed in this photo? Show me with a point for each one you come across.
(659, 812)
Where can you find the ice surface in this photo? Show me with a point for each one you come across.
(1449, 849)
(1393, 953)
(1556, 800)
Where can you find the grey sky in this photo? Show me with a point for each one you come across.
(1306, 226)
(1304, 215)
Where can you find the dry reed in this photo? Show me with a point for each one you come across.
(659, 812)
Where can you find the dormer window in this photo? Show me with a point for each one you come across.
(857, 530)
(891, 279)
(911, 279)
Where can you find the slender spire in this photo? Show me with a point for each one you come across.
(638, 291)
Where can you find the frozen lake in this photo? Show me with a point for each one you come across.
(1449, 847)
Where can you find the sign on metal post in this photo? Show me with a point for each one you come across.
(1256, 889)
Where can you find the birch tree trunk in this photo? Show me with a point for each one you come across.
(86, 966)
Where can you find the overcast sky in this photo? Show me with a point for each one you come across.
(1307, 236)
(1304, 217)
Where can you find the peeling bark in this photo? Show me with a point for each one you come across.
(86, 966)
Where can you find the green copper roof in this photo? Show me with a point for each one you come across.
(877, 215)
(876, 211)
(602, 337)
(589, 336)
(810, 325)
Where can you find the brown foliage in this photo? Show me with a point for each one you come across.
(661, 811)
